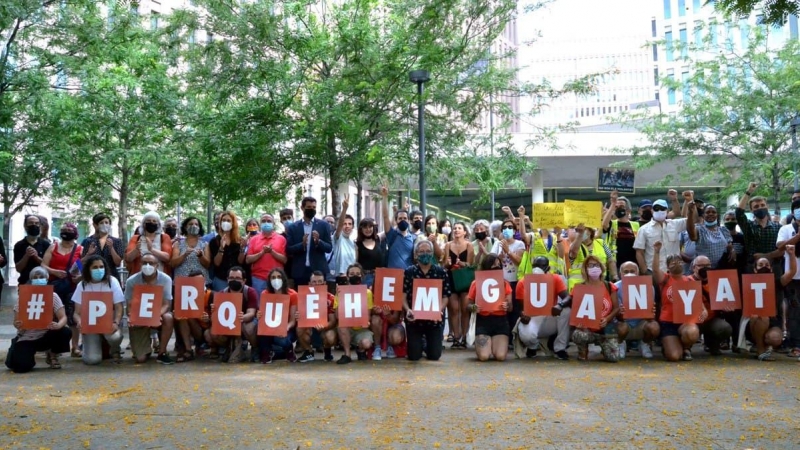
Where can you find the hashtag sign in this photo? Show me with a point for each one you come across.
(36, 306)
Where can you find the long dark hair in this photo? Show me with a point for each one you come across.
(87, 272)
(284, 288)
(361, 237)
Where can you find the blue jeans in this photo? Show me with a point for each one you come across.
(259, 285)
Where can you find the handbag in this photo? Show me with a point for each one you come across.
(63, 287)
(463, 278)
(471, 332)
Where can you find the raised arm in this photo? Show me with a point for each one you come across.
(787, 277)
(690, 221)
(342, 216)
(522, 231)
(672, 198)
(610, 211)
(387, 224)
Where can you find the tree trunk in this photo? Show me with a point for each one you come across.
(6, 237)
(359, 200)
(776, 187)
(333, 178)
(123, 204)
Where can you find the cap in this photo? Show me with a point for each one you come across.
(645, 202)
(661, 203)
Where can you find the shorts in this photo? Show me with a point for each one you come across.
(635, 329)
(491, 326)
(357, 336)
(140, 341)
(669, 329)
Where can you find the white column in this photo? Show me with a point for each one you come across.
(537, 187)
(733, 202)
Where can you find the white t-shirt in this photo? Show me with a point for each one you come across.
(509, 268)
(668, 233)
(784, 234)
(344, 254)
(115, 289)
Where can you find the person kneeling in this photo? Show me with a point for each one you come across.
(643, 330)
(491, 328)
(607, 336)
(140, 336)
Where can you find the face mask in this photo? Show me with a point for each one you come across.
(235, 285)
(252, 233)
(425, 259)
(226, 226)
(68, 235)
(710, 224)
(193, 230)
(586, 236)
(171, 232)
(796, 214)
(594, 272)
(629, 275)
(761, 213)
(508, 234)
(481, 235)
(151, 227)
(417, 224)
(448, 230)
(403, 225)
(39, 281)
(431, 229)
(703, 273)
(647, 215)
(98, 274)
(33, 230)
(730, 225)
(621, 213)
(104, 229)
(267, 227)
(276, 283)
(659, 216)
(354, 280)
(148, 270)
(309, 213)
(764, 270)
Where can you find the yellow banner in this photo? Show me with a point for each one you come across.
(587, 213)
(548, 215)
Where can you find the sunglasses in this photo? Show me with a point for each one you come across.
(659, 208)
(508, 227)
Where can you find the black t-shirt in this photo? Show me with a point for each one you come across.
(230, 257)
(625, 240)
(20, 248)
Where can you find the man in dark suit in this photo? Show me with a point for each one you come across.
(308, 240)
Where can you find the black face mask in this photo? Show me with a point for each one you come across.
(235, 285)
(730, 225)
(309, 213)
(761, 213)
(621, 213)
(764, 270)
(171, 232)
(480, 235)
(417, 224)
(403, 225)
(703, 273)
(151, 227)
(354, 280)
(68, 236)
(647, 215)
(33, 230)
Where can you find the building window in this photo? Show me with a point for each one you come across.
(669, 46)
(712, 30)
(744, 32)
(154, 21)
(697, 5)
(671, 90)
(698, 34)
(653, 28)
(684, 43)
(655, 52)
(686, 92)
(681, 8)
(667, 9)
(655, 76)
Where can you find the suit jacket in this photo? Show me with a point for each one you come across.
(294, 247)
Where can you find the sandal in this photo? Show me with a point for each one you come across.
(76, 353)
(450, 337)
(795, 353)
(52, 361)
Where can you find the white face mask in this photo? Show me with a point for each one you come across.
(226, 226)
(659, 216)
(629, 275)
(105, 229)
(148, 270)
(276, 283)
(447, 230)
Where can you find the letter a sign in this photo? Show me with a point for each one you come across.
(723, 290)
(35, 306)
(587, 306)
(352, 306)
(189, 297)
(490, 290)
(274, 314)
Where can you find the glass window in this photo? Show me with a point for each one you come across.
(684, 42)
(744, 32)
(712, 30)
(685, 81)
(669, 46)
(667, 9)
(655, 52)
(671, 92)
(697, 5)
(698, 34)
(655, 76)
(681, 8)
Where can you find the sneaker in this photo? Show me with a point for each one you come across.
(562, 355)
(165, 359)
(344, 360)
(307, 356)
(328, 355)
(622, 349)
(644, 348)
(390, 353)
(362, 356)
(291, 356)
(687, 355)
(376, 354)
(530, 353)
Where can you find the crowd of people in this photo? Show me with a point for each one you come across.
(670, 241)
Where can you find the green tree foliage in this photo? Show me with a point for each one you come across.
(776, 12)
(734, 123)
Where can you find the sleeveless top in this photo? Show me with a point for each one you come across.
(59, 261)
(192, 262)
(461, 256)
(370, 259)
